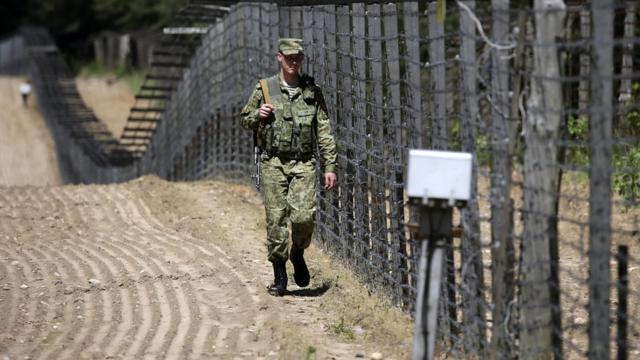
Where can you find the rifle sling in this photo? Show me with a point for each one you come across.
(265, 91)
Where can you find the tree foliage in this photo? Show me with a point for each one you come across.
(126, 14)
(73, 20)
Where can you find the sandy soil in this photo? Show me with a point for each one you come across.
(27, 155)
(109, 99)
(151, 269)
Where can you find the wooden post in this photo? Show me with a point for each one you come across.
(541, 176)
(413, 88)
(283, 23)
(585, 63)
(627, 51)
(320, 78)
(395, 150)
(440, 141)
(332, 102)
(413, 131)
(359, 138)
(600, 179)
(440, 132)
(296, 22)
(375, 148)
(307, 37)
(274, 34)
(344, 125)
(502, 253)
(472, 276)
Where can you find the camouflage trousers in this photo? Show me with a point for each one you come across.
(289, 196)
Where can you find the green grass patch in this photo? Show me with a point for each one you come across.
(343, 330)
(310, 353)
(134, 78)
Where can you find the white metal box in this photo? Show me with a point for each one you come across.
(443, 175)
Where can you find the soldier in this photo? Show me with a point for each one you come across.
(290, 126)
(25, 90)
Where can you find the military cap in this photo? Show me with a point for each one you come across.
(290, 46)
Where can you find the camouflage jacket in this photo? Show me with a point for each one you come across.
(297, 125)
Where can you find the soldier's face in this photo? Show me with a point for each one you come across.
(290, 63)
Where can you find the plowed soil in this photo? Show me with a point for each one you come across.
(113, 271)
(153, 269)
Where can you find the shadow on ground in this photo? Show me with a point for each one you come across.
(310, 292)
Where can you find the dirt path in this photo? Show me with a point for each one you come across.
(109, 98)
(27, 155)
(152, 269)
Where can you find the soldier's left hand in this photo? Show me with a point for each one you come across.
(330, 180)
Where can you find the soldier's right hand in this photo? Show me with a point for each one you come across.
(265, 111)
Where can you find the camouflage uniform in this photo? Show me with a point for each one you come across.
(288, 140)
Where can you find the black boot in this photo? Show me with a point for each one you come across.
(279, 279)
(300, 271)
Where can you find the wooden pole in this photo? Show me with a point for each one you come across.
(472, 277)
(600, 179)
(501, 205)
(627, 52)
(541, 174)
(585, 64)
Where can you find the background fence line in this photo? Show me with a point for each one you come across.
(550, 112)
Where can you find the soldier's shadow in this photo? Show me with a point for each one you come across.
(310, 292)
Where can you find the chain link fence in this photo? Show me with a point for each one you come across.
(546, 98)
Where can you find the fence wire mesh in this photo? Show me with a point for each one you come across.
(546, 98)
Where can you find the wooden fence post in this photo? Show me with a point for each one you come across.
(361, 184)
(413, 131)
(375, 149)
(344, 131)
(502, 249)
(541, 176)
(472, 276)
(627, 52)
(440, 141)
(395, 149)
(413, 100)
(320, 78)
(307, 37)
(585, 63)
(600, 179)
(331, 95)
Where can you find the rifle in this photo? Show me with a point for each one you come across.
(256, 158)
(256, 136)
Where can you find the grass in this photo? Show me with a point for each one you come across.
(310, 353)
(385, 327)
(342, 330)
(132, 77)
